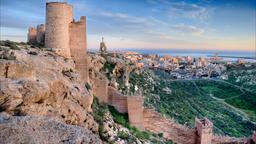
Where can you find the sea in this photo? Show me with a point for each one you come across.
(249, 56)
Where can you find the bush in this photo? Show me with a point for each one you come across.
(12, 45)
(160, 134)
(7, 55)
(99, 110)
(123, 135)
(123, 120)
(119, 118)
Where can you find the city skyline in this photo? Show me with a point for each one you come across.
(201, 25)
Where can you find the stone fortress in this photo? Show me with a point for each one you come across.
(68, 38)
(63, 34)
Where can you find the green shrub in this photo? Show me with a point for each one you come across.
(123, 135)
(12, 45)
(160, 134)
(99, 110)
(7, 55)
(118, 117)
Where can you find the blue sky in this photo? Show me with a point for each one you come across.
(167, 24)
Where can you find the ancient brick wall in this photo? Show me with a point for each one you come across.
(77, 34)
(32, 35)
(135, 111)
(58, 17)
(40, 30)
(156, 123)
(117, 100)
(100, 90)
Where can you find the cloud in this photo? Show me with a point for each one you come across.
(188, 29)
(186, 10)
(123, 17)
(160, 35)
(132, 21)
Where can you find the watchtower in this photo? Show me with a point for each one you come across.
(58, 17)
(204, 130)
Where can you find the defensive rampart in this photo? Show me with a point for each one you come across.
(149, 119)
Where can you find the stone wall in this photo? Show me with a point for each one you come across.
(58, 17)
(156, 123)
(77, 42)
(228, 140)
(32, 35)
(148, 119)
(100, 90)
(135, 111)
(204, 129)
(118, 100)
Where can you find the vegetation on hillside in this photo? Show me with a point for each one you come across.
(99, 111)
(231, 109)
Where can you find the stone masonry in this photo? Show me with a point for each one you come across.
(204, 130)
(100, 90)
(59, 15)
(32, 34)
(65, 36)
(135, 111)
(40, 33)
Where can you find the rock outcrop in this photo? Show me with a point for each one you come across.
(40, 83)
(42, 130)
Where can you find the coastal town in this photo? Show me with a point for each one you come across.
(185, 67)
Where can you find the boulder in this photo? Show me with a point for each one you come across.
(42, 130)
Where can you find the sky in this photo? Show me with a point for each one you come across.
(147, 24)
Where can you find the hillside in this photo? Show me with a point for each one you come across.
(185, 99)
(43, 99)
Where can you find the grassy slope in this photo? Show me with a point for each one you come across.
(200, 98)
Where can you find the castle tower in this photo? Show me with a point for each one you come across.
(40, 30)
(32, 33)
(204, 131)
(77, 35)
(58, 17)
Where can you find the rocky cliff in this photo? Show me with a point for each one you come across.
(39, 87)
